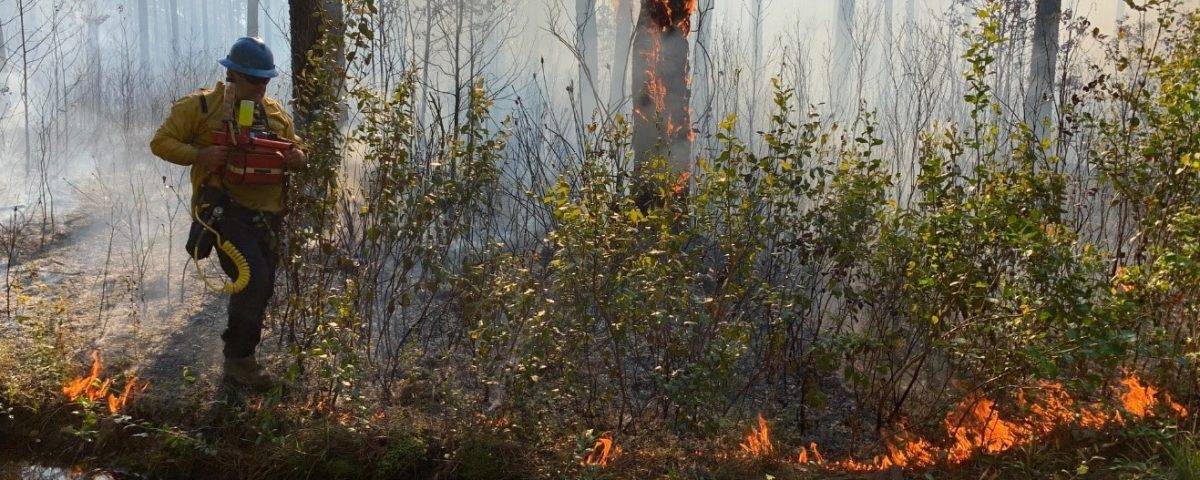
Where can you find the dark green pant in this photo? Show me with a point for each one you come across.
(254, 234)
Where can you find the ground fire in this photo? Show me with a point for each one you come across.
(603, 452)
(94, 389)
(975, 426)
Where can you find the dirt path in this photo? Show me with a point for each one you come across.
(119, 300)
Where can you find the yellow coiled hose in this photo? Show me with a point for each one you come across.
(239, 262)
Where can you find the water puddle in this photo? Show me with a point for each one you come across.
(41, 472)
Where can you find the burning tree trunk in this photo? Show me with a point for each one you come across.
(661, 123)
(622, 36)
(585, 41)
(1039, 99)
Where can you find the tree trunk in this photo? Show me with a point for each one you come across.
(266, 26)
(702, 78)
(143, 19)
(889, 38)
(173, 12)
(3, 49)
(887, 87)
(661, 123)
(306, 30)
(25, 84)
(843, 73)
(622, 36)
(252, 18)
(426, 59)
(311, 20)
(910, 28)
(94, 20)
(754, 80)
(585, 42)
(1039, 99)
(204, 43)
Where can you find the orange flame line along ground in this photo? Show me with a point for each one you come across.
(94, 389)
(975, 426)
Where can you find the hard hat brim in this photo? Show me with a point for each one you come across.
(253, 72)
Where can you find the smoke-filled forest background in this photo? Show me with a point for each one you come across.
(620, 239)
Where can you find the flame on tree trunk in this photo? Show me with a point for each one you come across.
(661, 91)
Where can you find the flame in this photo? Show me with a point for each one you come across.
(681, 183)
(810, 455)
(602, 452)
(92, 388)
(668, 14)
(1121, 282)
(666, 17)
(758, 442)
(1138, 399)
(1179, 410)
(907, 450)
(1052, 407)
(116, 403)
(657, 90)
(84, 386)
(975, 425)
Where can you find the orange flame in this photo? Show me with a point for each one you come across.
(1138, 399)
(603, 452)
(85, 386)
(94, 389)
(758, 442)
(810, 455)
(1052, 407)
(666, 15)
(975, 426)
(116, 403)
(681, 183)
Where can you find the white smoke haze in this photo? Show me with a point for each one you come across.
(82, 87)
(89, 213)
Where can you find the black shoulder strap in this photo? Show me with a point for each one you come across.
(262, 112)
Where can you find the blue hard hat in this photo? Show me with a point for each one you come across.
(251, 56)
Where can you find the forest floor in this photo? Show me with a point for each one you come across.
(74, 294)
(107, 305)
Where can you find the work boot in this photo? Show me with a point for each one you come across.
(246, 373)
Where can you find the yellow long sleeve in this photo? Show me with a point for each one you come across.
(174, 141)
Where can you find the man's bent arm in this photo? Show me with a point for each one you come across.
(172, 141)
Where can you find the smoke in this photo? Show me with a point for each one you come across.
(78, 106)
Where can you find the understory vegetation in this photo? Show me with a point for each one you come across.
(480, 302)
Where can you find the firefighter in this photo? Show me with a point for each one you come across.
(251, 217)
